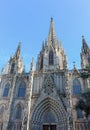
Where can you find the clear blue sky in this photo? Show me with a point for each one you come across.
(28, 21)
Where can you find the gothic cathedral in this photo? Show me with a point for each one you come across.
(44, 98)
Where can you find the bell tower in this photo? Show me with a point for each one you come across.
(52, 55)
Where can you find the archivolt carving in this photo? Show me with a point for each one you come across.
(46, 105)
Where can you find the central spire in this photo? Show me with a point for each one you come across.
(52, 35)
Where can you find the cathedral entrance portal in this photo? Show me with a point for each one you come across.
(49, 127)
(48, 115)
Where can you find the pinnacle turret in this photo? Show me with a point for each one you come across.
(85, 54)
(85, 47)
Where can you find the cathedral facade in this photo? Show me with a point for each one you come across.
(44, 98)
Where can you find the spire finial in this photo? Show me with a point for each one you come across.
(51, 19)
(82, 36)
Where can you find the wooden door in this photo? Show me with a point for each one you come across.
(52, 127)
(45, 127)
(49, 127)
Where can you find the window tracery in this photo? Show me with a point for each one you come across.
(18, 111)
(51, 58)
(76, 87)
(41, 66)
(6, 90)
(12, 68)
(79, 113)
(22, 89)
(49, 85)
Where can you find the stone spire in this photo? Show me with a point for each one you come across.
(17, 54)
(85, 47)
(52, 35)
(43, 46)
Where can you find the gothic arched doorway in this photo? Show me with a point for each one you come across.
(48, 115)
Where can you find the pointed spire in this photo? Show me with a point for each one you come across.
(42, 45)
(85, 47)
(18, 50)
(52, 35)
(32, 65)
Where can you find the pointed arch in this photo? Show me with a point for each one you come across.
(51, 57)
(79, 113)
(50, 107)
(76, 86)
(41, 65)
(49, 117)
(18, 111)
(22, 89)
(6, 90)
(12, 68)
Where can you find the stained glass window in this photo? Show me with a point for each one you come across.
(18, 112)
(51, 58)
(79, 113)
(22, 89)
(41, 62)
(12, 68)
(6, 90)
(76, 87)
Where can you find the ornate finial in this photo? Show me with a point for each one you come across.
(83, 39)
(51, 19)
(82, 36)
